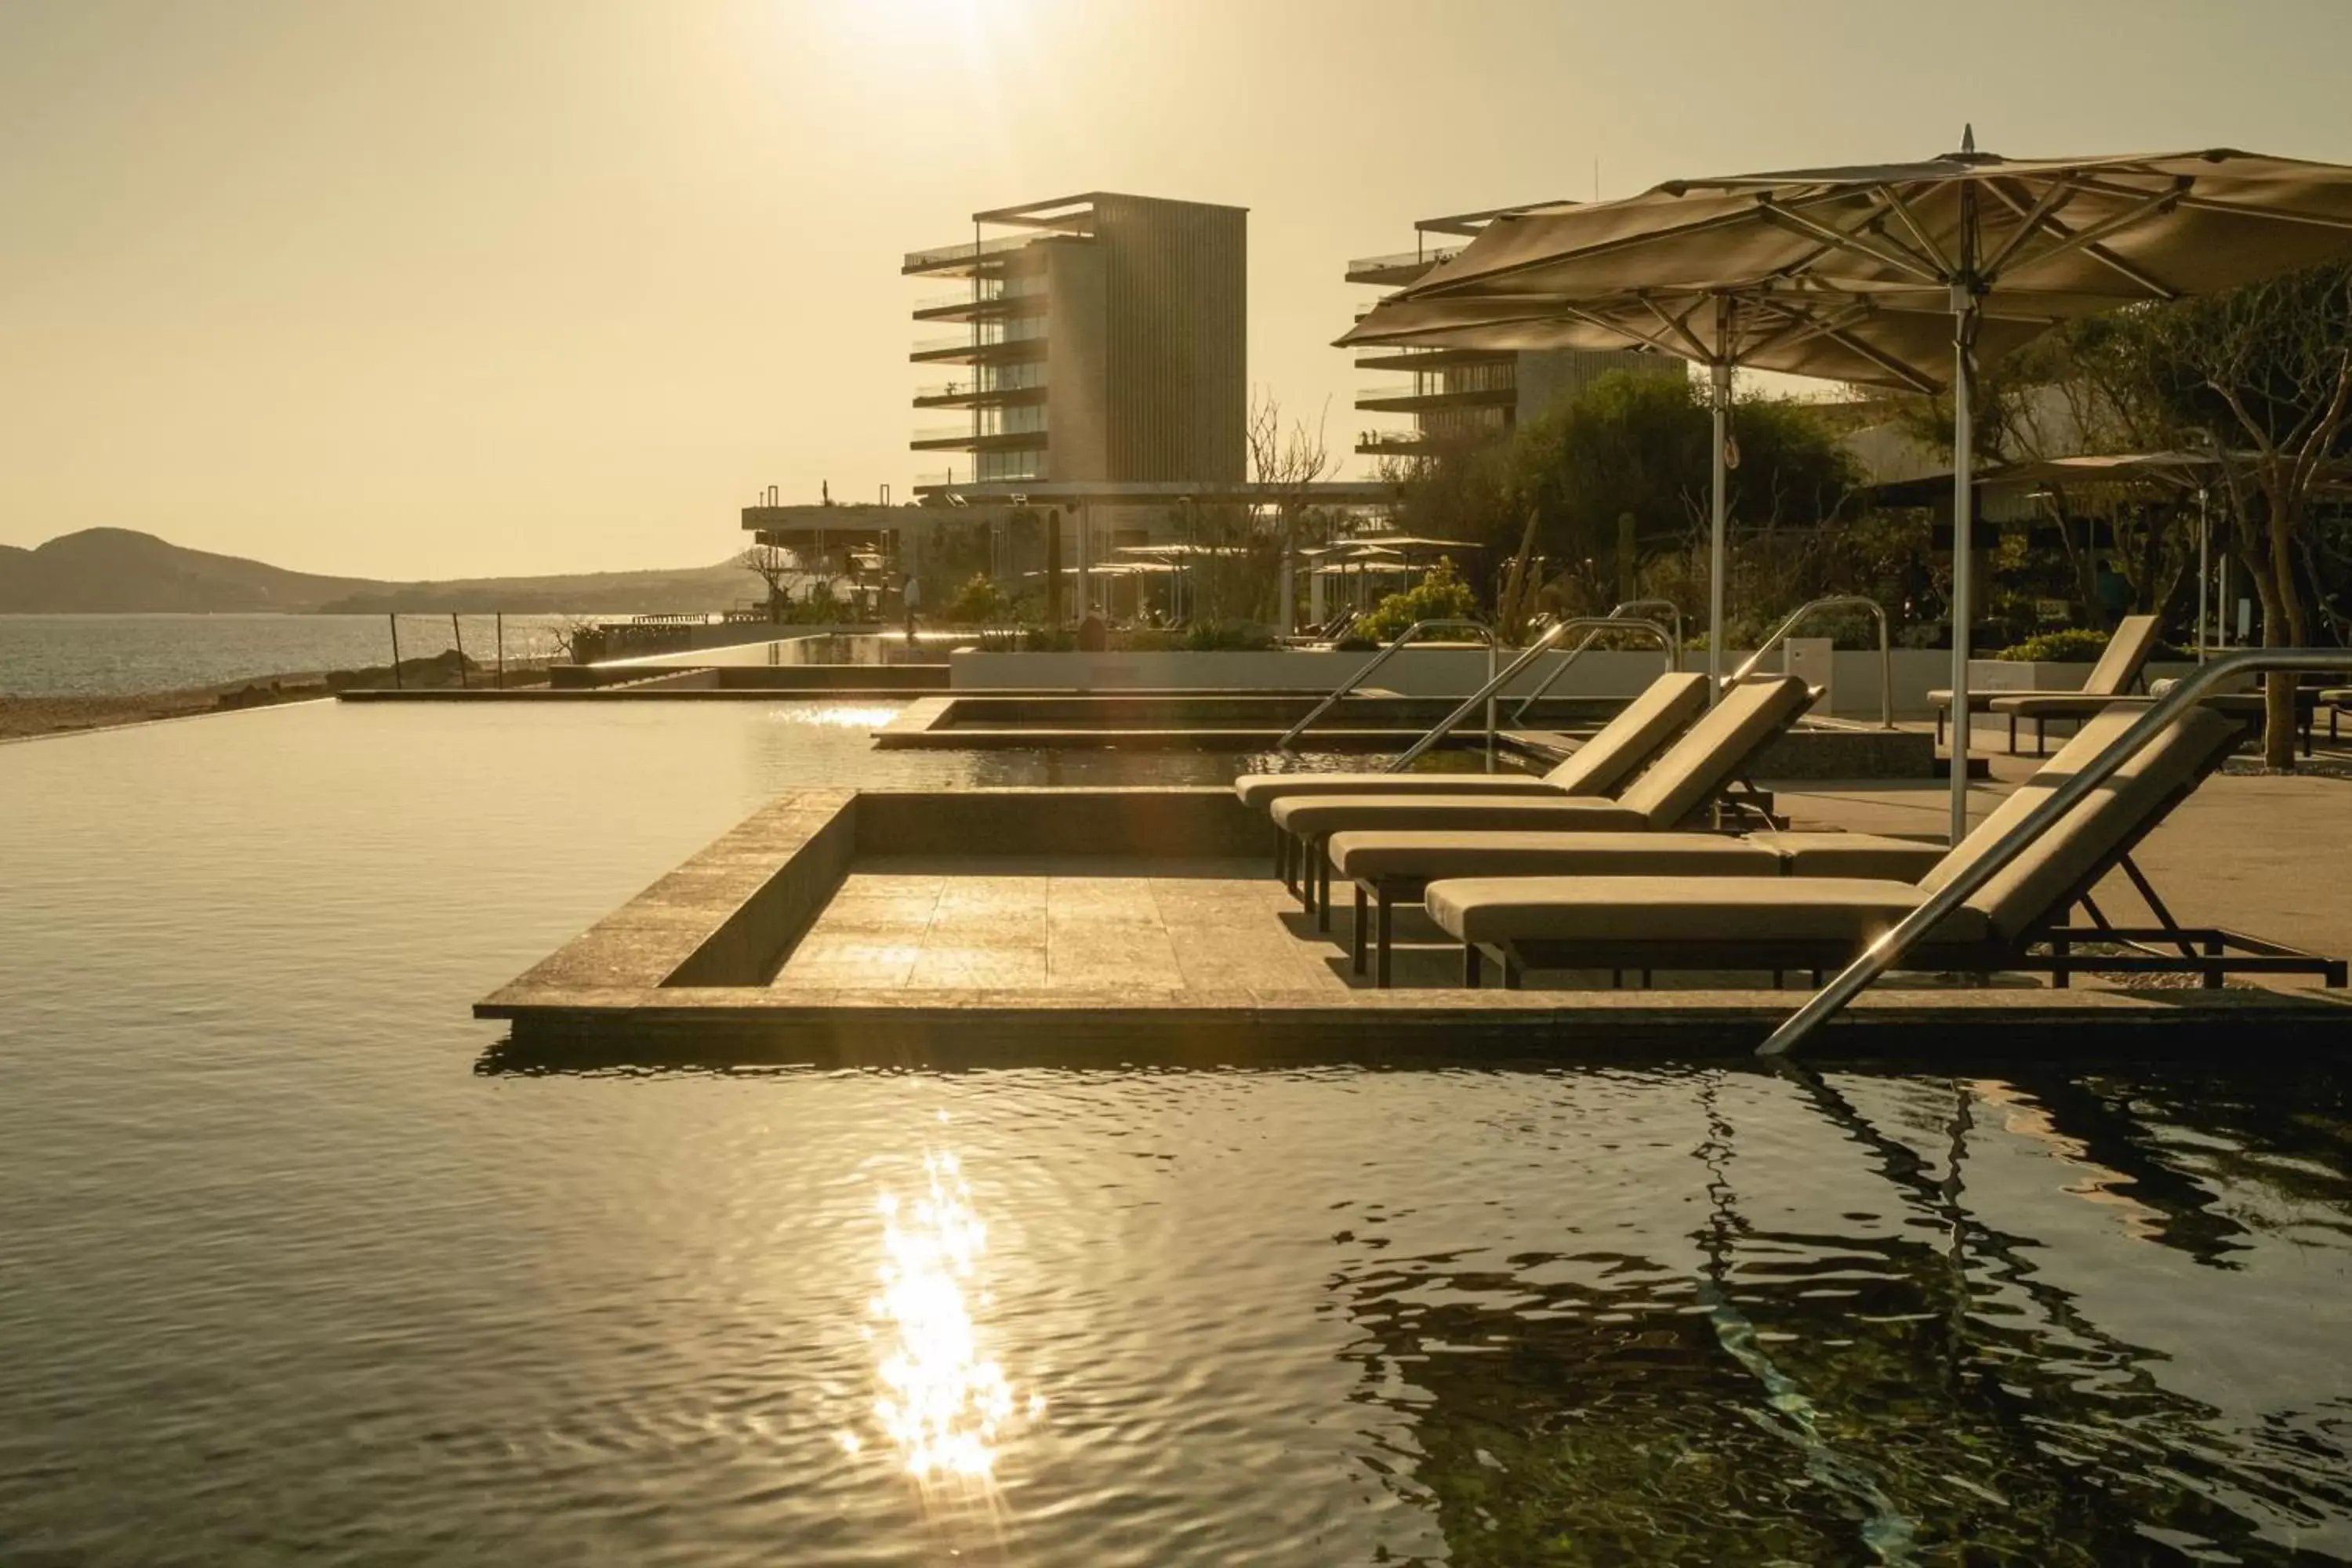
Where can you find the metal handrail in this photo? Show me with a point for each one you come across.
(1674, 654)
(1485, 635)
(1535, 650)
(1882, 954)
(1836, 602)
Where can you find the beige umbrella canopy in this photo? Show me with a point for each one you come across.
(2051, 237)
(1918, 271)
(1797, 327)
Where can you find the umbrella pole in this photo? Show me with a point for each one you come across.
(2204, 569)
(1964, 325)
(1720, 396)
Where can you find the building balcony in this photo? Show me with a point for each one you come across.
(967, 394)
(1394, 271)
(961, 259)
(1393, 444)
(960, 437)
(994, 307)
(1420, 361)
(1407, 399)
(940, 481)
(963, 351)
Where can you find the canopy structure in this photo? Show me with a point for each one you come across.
(1919, 271)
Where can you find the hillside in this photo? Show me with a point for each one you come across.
(103, 571)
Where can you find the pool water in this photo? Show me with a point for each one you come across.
(287, 1276)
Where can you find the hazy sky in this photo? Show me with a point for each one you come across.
(434, 289)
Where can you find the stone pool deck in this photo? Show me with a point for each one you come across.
(1104, 925)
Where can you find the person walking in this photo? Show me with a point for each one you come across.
(910, 596)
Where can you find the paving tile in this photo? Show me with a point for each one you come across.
(1119, 959)
(872, 911)
(849, 960)
(890, 884)
(979, 968)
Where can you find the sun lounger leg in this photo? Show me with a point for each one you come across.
(1510, 969)
(1381, 936)
(1319, 865)
(1357, 940)
(2012, 734)
(1471, 964)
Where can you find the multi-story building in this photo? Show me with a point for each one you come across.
(1465, 395)
(1102, 339)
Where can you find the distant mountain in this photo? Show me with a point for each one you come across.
(104, 570)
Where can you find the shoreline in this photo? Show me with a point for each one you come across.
(28, 718)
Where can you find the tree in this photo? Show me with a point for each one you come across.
(771, 563)
(2268, 370)
(1286, 464)
(1638, 445)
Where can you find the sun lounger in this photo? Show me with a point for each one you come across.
(1390, 868)
(2338, 701)
(2117, 670)
(1663, 710)
(2016, 921)
(1682, 784)
(1614, 754)
(2246, 705)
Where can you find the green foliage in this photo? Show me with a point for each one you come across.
(1227, 637)
(980, 602)
(1441, 594)
(1640, 444)
(2074, 645)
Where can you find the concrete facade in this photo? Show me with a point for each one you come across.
(1104, 340)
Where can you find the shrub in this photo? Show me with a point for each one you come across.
(980, 602)
(1442, 594)
(1227, 637)
(2074, 645)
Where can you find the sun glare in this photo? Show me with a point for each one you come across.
(944, 1401)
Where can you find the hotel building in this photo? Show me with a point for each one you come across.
(1098, 338)
(1457, 395)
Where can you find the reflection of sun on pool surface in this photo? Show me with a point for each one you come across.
(944, 1402)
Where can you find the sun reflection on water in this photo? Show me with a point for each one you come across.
(944, 1401)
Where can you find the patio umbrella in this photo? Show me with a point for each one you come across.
(2002, 248)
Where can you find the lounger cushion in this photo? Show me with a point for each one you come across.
(1979, 702)
(2033, 887)
(1619, 748)
(1312, 817)
(1717, 749)
(1427, 856)
(2057, 704)
(1869, 855)
(1698, 911)
(1263, 789)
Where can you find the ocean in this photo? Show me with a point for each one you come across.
(121, 655)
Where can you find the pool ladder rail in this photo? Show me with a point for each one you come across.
(1882, 954)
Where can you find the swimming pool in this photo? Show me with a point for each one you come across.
(283, 1275)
